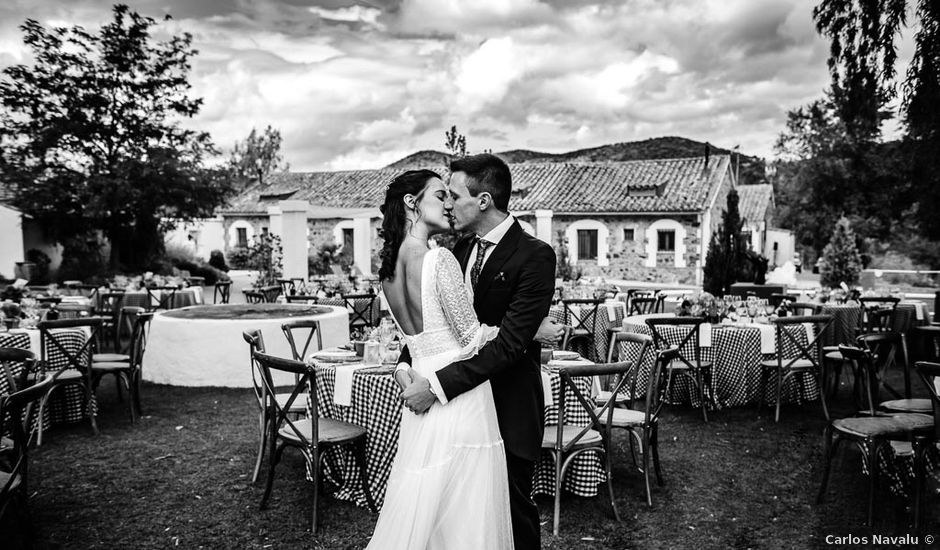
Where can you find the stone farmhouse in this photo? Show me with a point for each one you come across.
(644, 220)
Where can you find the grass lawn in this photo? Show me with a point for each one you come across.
(180, 478)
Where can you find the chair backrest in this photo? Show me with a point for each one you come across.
(109, 305)
(301, 298)
(223, 290)
(361, 309)
(656, 389)
(567, 375)
(632, 347)
(581, 312)
(139, 332)
(802, 309)
(254, 296)
(878, 320)
(306, 331)
(682, 332)
(287, 286)
(15, 366)
(255, 341)
(54, 337)
(14, 419)
(643, 305)
(789, 343)
(271, 292)
(305, 386)
(164, 295)
(126, 321)
(930, 375)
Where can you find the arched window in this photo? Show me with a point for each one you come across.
(588, 240)
(665, 235)
(240, 234)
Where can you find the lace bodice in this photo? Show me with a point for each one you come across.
(447, 304)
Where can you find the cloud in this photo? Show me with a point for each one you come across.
(359, 83)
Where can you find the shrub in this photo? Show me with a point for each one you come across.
(239, 258)
(565, 270)
(322, 261)
(841, 260)
(42, 261)
(82, 260)
(265, 256)
(217, 260)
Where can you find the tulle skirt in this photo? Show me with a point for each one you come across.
(448, 486)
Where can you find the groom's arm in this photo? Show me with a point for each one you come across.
(528, 306)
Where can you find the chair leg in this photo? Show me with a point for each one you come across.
(872, 457)
(42, 408)
(647, 447)
(779, 397)
(919, 479)
(92, 407)
(828, 451)
(558, 480)
(654, 446)
(273, 455)
(364, 474)
(315, 474)
(262, 443)
(700, 382)
(822, 395)
(610, 479)
(123, 378)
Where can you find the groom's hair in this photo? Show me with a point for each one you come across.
(486, 173)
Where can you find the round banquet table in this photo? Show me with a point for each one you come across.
(736, 353)
(375, 405)
(203, 345)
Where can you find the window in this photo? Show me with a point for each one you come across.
(629, 234)
(587, 244)
(241, 234)
(666, 240)
(348, 241)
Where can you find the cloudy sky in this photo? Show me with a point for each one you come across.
(359, 84)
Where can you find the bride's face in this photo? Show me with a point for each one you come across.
(431, 207)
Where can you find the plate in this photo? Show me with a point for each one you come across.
(564, 355)
(334, 356)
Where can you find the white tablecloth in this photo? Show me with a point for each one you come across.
(212, 352)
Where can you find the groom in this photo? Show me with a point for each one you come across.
(513, 277)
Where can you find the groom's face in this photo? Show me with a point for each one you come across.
(462, 208)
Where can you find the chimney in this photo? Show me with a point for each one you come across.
(707, 151)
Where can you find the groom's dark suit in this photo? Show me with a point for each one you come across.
(514, 292)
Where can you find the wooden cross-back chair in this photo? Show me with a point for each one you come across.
(312, 435)
(581, 315)
(804, 358)
(163, 295)
(254, 297)
(689, 361)
(77, 368)
(15, 414)
(222, 292)
(361, 309)
(127, 372)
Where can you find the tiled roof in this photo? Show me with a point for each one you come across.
(754, 200)
(675, 185)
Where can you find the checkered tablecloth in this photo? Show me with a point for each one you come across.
(181, 298)
(376, 407)
(846, 319)
(66, 405)
(735, 353)
(906, 316)
(609, 315)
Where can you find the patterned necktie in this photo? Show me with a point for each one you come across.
(482, 245)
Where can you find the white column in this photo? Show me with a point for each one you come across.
(543, 225)
(292, 228)
(362, 244)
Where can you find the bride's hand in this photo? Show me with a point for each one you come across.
(404, 378)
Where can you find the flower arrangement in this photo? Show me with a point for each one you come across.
(703, 305)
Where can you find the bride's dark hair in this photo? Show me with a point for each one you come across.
(412, 182)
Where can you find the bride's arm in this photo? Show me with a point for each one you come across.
(458, 309)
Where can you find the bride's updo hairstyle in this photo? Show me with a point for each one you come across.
(394, 217)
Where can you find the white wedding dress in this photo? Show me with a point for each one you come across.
(448, 487)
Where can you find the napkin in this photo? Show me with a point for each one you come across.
(705, 335)
(547, 389)
(342, 390)
(768, 336)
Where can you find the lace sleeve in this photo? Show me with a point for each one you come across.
(455, 297)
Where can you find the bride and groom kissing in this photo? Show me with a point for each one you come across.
(471, 427)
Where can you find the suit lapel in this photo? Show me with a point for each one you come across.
(503, 251)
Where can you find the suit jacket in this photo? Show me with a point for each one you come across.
(514, 291)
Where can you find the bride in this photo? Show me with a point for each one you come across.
(448, 484)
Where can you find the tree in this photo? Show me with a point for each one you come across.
(91, 141)
(841, 260)
(726, 251)
(863, 53)
(257, 157)
(455, 142)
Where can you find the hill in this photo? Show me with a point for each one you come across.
(751, 169)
